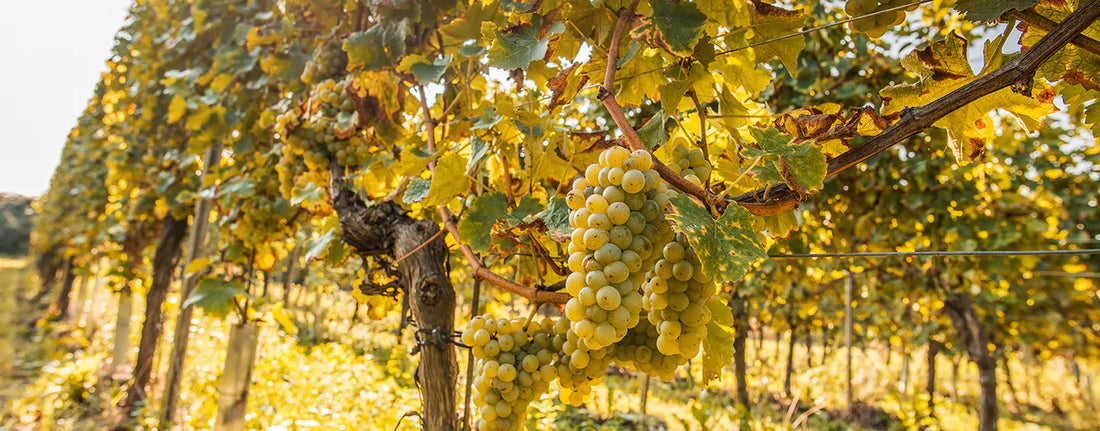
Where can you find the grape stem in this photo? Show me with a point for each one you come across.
(480, 271)
(632, 140)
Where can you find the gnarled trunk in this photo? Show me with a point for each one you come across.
(385, 229)
(972, 334)
(164, 265)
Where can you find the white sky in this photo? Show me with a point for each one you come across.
(51, 55)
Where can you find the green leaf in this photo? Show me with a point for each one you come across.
(517, 49)
(378, 47)
(653, 133)
(727, 247)
(984, 10)
(943, 67)
(556, 216)
(718, 345)
(416, 191)
(424, 71)
(214, 295)
(802, 166)
(448, 181)
(681, 24)
(478, 150)
(238, 188)
(310, 193)
(319, 245)
(770, 22)
(477, 223)
(671, 94)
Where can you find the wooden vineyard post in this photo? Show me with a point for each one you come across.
(848, 337)
(77, 306)
(122, 331)
(240, 357)
(645, 392)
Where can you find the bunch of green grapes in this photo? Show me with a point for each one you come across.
(617, 217)
(676, 295)
(690, 164)
(874, 26)
(329, 61)
(311, 130)
(638, 350)
(513, 366)
(578, 367)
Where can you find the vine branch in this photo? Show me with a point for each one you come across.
(1017, 73)
(1033, 18)
(632, 140)
(480, 271)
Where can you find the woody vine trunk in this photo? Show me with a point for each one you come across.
(164, 263)
(384, 229)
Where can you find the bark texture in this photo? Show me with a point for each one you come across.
(164, 263)
(972, 335)
(384, 229)
(66, 290)
(740, 334)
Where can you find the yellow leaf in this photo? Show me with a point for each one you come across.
(449, 180)
(196, 266)
(265, 258)
(176, 109)
(284, 320)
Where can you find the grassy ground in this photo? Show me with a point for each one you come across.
(329, 372)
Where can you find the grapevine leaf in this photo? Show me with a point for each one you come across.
(176, 109)
(448, 181)
(345, 124)
(681, 24)
(422, 69)
(671, 94)
(478, 221)
(801, 166)
(196, 266)
(770, 22)
(478, 150)
(279, 314)
(377, 47)
(310, 193)
(518, 48)
(942, 68)
(653, 132)
(214, 295)
(718, 345)
(1072, 64)
(523, 220)
(556, 217)
(727, 247)
(319, 245)
(416, 191)
(982, 10)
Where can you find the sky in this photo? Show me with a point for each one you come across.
(52, 53)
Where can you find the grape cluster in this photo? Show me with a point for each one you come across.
(676, 295)
(617, 217)
(579, 368)
(690, 164)
(311, 130)
(513, 367)
(329, 61)
(638, 350)
(874, 26)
